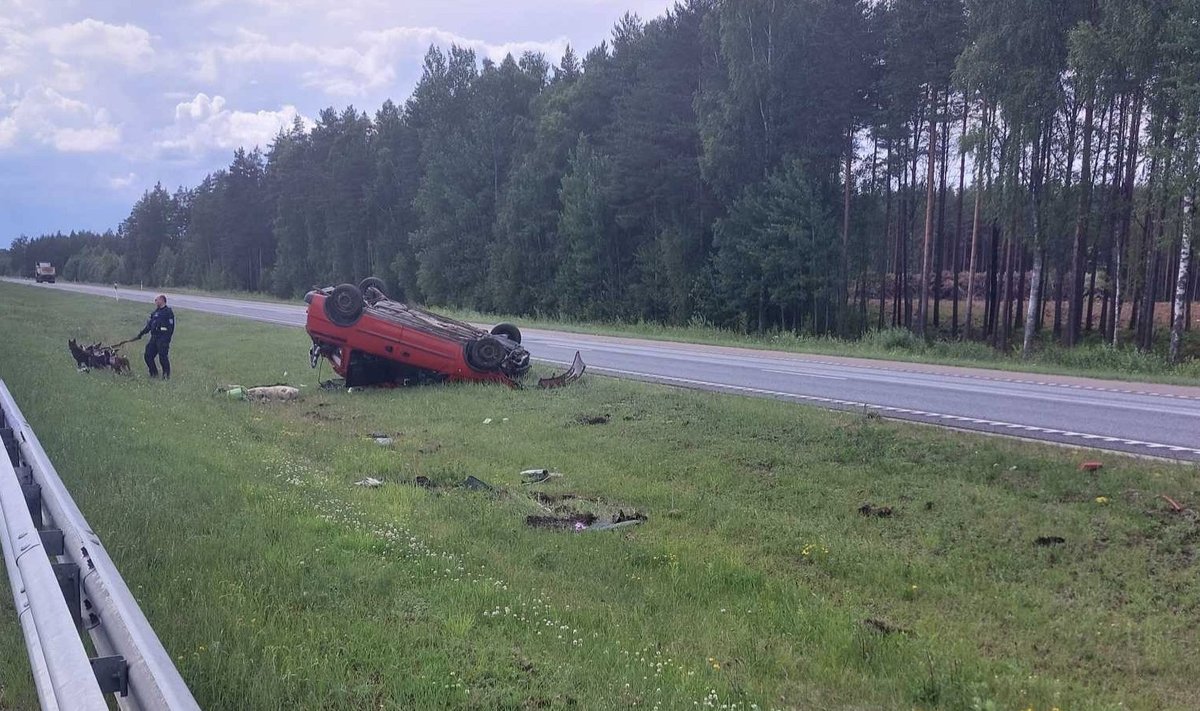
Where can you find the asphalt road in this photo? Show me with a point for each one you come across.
(1143, 419)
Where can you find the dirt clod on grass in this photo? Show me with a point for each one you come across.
(594, 419)
(885, 628)
(869, 510)
(552, 499)
(522, 662)
(1046, 541)
(471, 483)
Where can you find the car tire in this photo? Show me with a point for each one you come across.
(372, 283)
(345, 305)
(509, 331)
(487, 353)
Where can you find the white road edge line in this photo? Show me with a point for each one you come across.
(802, 374)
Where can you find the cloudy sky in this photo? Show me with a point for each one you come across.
(101, 100)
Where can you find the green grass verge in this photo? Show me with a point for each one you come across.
(276, 583)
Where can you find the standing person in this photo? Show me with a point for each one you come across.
(160, 326)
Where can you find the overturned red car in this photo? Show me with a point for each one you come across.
(373, 340)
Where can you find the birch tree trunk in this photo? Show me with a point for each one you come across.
(1035, 302)
(1181, 283)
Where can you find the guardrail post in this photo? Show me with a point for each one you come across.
(112, 674)
(33, 499)
(52, 541)
(68, 579)
(10, 443)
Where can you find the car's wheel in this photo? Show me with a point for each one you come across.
(507, 330)
(345, 305)
(487, 353)
(372, 283)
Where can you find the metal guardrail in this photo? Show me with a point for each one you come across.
(63, 580)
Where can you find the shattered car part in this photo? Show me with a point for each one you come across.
(615, 525)
(574, 373)
(371, 339)
(538, 476)
(477, 484)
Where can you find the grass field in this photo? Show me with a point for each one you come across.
(276, 583)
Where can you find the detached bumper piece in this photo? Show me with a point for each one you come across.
(574, 373)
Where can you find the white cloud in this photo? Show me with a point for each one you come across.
(408, 38)
(128, 45)
(8, 131)
(46, 117)
(351, 70)
(86, 140)
(14, 49)
(66, 78)
(204, 124)
(39, 106)
(120, 182)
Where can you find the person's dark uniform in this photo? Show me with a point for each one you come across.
(160, 326)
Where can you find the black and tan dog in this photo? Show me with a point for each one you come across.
(98, 356)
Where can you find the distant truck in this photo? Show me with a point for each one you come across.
(45, 272)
